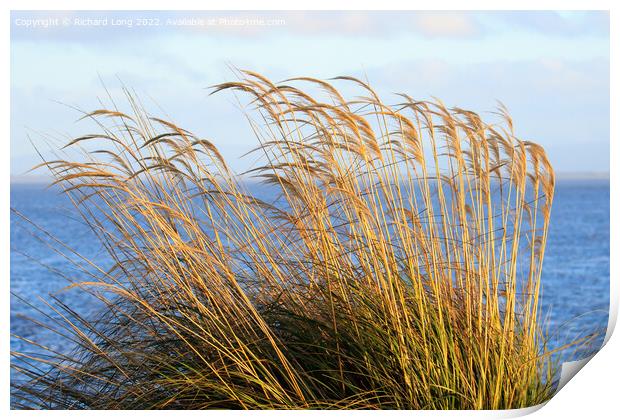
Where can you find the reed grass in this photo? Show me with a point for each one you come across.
(398, 268)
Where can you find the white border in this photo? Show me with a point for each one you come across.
(593, 395)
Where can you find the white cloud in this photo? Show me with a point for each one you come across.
(559, 86)
(446, 25)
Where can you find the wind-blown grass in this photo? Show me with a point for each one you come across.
(400, 266)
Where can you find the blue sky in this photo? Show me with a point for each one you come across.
(551, 69)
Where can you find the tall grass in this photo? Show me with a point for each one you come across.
(399, 266)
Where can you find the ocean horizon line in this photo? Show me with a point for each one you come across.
(560, 176)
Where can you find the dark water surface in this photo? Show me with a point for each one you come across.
(575, 276)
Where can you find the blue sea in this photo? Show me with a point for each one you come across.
(575, 274)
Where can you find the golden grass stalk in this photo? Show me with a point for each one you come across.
(399, 266)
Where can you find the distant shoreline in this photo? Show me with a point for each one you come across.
(582, 175)
(560, 176)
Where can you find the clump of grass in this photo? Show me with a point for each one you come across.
(399, 266)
